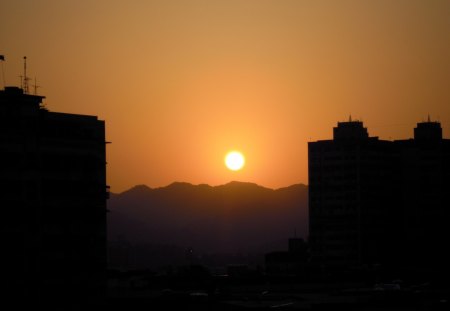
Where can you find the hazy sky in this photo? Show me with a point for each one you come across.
(179, 83)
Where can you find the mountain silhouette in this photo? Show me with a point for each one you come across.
(236, 217)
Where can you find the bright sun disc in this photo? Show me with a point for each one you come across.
(234, 160)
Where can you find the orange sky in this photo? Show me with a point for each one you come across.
(179, 83)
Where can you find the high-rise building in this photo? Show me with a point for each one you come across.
(425, 199)
(53, 196)
(373, 201)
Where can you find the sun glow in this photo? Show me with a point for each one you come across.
(234, 160)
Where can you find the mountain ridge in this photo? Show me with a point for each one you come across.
(141, 187)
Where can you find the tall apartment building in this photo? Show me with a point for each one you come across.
(53, 196)
(378, 202)
(425, 195)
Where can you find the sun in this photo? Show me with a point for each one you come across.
(234, 160)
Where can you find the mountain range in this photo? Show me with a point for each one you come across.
(237, 217)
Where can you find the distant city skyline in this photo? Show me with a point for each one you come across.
(181, 83)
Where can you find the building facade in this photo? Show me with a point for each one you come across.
(53, 195)
(425, 195)
(373, 201)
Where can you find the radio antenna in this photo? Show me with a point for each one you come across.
(35, 86)
(25, 78)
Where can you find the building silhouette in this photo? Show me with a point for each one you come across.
(292, 262)
(53, 195)
(425, 186)
(373, 201)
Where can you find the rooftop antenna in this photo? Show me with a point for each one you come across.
(350, 118)
(429, 118)
(36, 86)
(2, 59)
(25, 79)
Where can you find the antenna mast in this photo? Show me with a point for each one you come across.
(25, 78)
(2, 59)
(36, 86)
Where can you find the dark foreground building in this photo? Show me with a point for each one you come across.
(53, 196)
(379, 202)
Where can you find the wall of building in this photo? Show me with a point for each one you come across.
(375, 201)
(53, 196)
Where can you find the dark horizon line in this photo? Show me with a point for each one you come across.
(175, 183)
